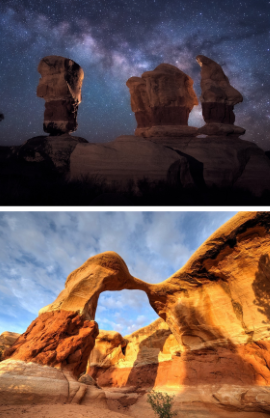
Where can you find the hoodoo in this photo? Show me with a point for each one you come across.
(218, 100)
(60, 86)
(162, 100)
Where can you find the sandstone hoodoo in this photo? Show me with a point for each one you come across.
(60, 86)
(162, 100)
(210, 345)
(218, 99)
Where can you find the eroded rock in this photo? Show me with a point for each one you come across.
(218, 100)
(8, 338)
(216, 337)
(60, 86)
(61, 339)
(162, 100)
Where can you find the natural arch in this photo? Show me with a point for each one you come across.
(202, 302)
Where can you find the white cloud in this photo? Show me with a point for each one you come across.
(39, 250)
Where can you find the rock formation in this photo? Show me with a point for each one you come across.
(211, 162)
(218, 100)
(60, 86)
(7, 339)
(213, 350)
(162, 100)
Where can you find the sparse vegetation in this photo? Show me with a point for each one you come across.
(161, 404)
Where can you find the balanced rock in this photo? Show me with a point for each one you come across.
(218, 100)
(60, 86)
(162, 100)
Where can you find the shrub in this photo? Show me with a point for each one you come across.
(161, 404)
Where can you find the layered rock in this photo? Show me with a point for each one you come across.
(216, 337)
(218, 100)
(207, 163)
(130, 158)
(162, 100)
(60, 86)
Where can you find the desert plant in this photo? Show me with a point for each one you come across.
(161, 404)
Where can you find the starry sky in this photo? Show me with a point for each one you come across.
(40, 249)
(115, 39)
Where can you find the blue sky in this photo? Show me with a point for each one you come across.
(40, 249)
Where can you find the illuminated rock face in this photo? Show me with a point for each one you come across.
(212, 339)
(218, 100)
(60, 86)
(162, 100)
(7, 339)
(60, 339)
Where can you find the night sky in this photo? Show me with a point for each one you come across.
(115, 39)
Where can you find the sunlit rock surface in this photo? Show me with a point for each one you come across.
(210, 347)
(8, 338)
(218, 99)
(162, 100)
(60, 86)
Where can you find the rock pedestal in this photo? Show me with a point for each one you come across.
(162, 100)
(60, 86)
(218, 100)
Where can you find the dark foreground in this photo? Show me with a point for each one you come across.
(39, 184)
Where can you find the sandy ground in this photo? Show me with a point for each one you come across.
(57, 411)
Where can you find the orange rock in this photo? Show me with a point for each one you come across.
(162, 100)
(60, 85)
(60, 339)
(214, 332)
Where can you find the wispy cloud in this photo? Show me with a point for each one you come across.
(39, 250)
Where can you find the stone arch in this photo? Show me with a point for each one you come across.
(103, 272)
(64, 333)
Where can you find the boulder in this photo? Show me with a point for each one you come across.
(24, 383)
(162, 100)
(60, 86)
(53, 151)
(218, 100)
(224, 162)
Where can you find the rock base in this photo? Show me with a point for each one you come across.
(167, 130)
(221, 129)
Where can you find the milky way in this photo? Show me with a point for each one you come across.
(115, 39)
